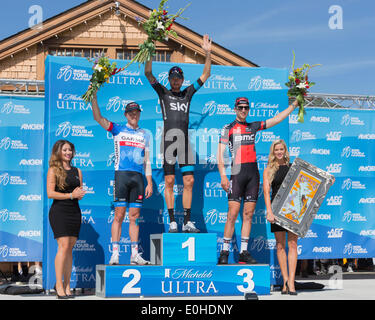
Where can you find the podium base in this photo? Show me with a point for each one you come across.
(181, 281)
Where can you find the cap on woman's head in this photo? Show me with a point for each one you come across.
(176, 72)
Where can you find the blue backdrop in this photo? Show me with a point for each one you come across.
(212, 107)
(339, 141)
(21, 174)
(342, 142)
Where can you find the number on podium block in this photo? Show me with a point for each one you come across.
(190, 244)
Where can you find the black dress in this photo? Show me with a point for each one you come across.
(275, 185)
(65, 215)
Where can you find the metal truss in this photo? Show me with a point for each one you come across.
(21, 87)
(338, 101)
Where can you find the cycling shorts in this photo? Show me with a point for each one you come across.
(245, 184)
(128, 190)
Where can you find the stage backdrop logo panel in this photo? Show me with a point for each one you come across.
(342, 142)
(21, 173)
(67, 117)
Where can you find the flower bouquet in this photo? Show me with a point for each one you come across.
(103, 70)
(298, 84)
(158, 28)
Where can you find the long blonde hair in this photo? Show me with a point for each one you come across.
(272, 164)
(56, 163)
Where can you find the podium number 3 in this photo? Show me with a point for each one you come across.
(190, 244)
(248, 279)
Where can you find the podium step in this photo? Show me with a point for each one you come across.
(181, 281)
(172, 249)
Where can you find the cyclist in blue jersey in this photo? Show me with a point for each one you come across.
(175, 106)
(131, 145)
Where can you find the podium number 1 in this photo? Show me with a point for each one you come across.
(190, 244)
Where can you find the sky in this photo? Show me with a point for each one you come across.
(338, 34)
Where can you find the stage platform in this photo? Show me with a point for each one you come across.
(183, 265)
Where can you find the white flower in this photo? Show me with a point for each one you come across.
(302, 85)
(159, 25)
(98, 67)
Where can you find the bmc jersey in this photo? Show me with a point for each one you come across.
(240, 137)
(130, 145)
(176, 106)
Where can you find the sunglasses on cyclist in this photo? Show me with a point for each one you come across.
(243, 108)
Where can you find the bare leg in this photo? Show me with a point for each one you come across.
(233, 210)
(117, 223)
(248, 212)
(60, 263)
(68, 265)
(133, 226)
(187, 195)
(168, 191)
(281, 255)
(292, 258)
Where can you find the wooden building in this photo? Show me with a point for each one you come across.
(93, 27)
(86, 30)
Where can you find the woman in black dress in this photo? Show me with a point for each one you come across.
(273, 176)
(64, 185)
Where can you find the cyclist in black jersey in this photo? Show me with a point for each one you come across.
(244, 182)
(175, 106)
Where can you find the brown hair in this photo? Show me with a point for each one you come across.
(56, 163)
(272, 162)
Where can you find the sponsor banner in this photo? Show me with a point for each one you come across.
(342, 143)
(67, 117)
(21, 174)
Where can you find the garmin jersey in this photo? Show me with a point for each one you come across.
(130, 145)
(240, 137)
(175, 107)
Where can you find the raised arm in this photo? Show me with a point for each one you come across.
(281, 116)
(206, 46)
(97, 115)
(148, 71)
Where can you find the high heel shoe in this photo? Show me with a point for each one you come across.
(58, 296)
(291, 293)
(287, 289)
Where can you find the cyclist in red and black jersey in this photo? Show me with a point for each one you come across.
(244, 182)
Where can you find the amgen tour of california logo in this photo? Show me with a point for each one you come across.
(67, 72)
(116, 104)
(258, 83)
(65, 129)
(212, 107)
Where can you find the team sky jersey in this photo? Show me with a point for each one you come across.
(130, 145)
(240, 137)
(176, 106)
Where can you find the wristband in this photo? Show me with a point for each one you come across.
(71, 196)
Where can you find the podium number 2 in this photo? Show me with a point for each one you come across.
(248, 279)
(129, 288)
(190, 244)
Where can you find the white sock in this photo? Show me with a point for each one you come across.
(115, 248)
(244, 243)
(134, 246)
(226, 244)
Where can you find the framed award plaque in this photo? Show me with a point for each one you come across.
(300, 196)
